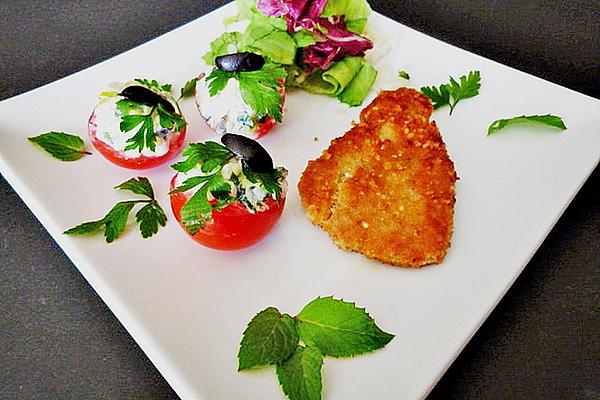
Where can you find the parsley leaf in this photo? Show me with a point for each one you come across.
(339, 329)
(189, 89)
(404, 75)
(198, 209)
(145, 136)
(154, 84)
(150, 216)
(64, 146)
(217, 80)
(200, 153)
(548, 119)
(270, 181)
(451, 93)
(300, 375)
(259, 89)
(270, 337)
(138, 185)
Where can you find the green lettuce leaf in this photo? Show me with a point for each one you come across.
(359, 87)
(355, 13)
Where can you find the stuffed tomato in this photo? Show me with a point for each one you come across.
(137, 125)
(227, 196)
(244, 94)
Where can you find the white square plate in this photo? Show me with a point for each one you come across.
(187, 306)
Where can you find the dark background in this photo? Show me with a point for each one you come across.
(58, 339)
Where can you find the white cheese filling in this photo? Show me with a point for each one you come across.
(108, 120)
(252, 195)
(226, 112)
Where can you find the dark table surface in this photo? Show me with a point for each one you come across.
(59, 340)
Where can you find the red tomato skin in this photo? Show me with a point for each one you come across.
(141, 162)
(233, 227)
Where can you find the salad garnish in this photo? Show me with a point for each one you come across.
(451, 93)
(296, 345)
(220, 178)
(61, 145)
(149, 217)
(548, 120)
(309, 38)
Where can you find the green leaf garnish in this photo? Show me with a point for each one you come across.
(224, 44)
(189, 89)
(201, 153)
(64, 146)
(150, 216)
(325, 326)
(198, 209)
(270, 337)
(548, 120)
(132, 117)
(300, 375)
(339, 329)
(154, 84)
(451, 93)
(404, 75)
(259, 89)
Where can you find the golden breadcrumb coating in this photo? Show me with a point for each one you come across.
(386, 188)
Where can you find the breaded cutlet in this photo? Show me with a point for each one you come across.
(386, 188)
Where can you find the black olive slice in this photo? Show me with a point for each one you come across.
(240, 62)
(143, 95)
(250, 151)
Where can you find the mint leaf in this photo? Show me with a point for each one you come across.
(270, 338)
(339, 329)
(139, 185)
(451, 93)
(300, 375)
(189, 89)
(548, 119)
(64, 146)
(150, 216)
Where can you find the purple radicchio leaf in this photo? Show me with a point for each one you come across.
(334, 40)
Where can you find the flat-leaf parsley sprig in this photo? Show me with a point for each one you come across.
(259, 89)
(149, 217)
(214, 192)
(451, 93)
(297, 345)
(133, 116)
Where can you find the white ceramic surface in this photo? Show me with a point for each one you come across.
(187, 306)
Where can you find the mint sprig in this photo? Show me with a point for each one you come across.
(451, 93)
(325, 326)
(548, 120)
(149, 217)
(300, 375)
(61, 145)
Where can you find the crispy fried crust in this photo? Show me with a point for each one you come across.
(386, 188)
